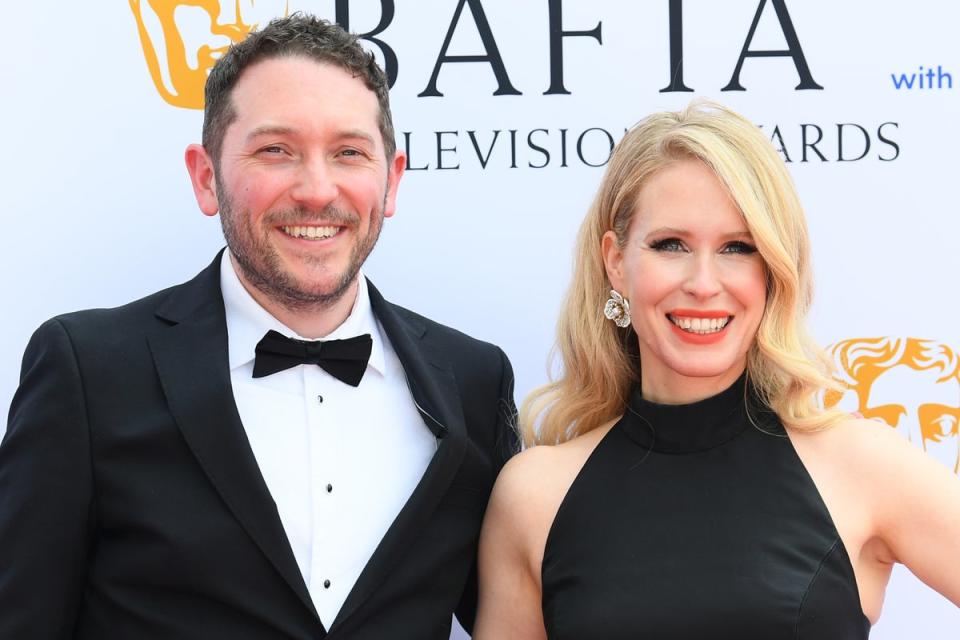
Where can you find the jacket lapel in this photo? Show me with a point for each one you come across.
(434, 390)
(191, 360)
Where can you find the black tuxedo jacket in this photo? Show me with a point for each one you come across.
(131, 505)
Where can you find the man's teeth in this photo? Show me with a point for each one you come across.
(700, 325)
(312, 233)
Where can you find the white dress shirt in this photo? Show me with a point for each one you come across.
(339, 461)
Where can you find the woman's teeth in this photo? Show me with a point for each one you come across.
(311, 233)
(700, 325)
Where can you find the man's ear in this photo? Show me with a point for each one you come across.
(395, 169)
(203, 178)
(613, 260)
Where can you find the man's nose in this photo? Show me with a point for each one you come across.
(315, 185)
(702, 279)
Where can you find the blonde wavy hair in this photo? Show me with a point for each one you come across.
(599, 362)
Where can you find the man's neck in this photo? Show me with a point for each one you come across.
(307, 321)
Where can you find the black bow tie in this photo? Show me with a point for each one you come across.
(345, 360)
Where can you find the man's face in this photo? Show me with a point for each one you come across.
(932, 422)
(302, 184)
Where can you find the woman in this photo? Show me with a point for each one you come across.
(698, 489)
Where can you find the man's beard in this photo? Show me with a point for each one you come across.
(261, 264)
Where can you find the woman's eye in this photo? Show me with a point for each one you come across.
(667, 244)
(740, 247)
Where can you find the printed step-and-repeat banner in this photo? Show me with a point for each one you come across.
(507, 112)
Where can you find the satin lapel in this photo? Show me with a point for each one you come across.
(191, 361)
(434, 389)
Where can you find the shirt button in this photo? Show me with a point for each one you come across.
(326, 584)
(329, 488)
(319, 399)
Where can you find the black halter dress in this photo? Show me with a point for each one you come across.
(697, 521)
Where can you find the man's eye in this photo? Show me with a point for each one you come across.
(272, 150)
(744, 248)
(667, 244)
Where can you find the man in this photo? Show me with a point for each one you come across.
(181, 467)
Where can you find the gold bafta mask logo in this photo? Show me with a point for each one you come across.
(910, 384)
(179, 70)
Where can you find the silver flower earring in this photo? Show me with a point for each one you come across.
(617, 309)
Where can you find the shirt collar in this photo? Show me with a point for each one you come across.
(248, 322)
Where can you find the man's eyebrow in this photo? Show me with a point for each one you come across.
(280, 130)
(358, 134)
(270, 130)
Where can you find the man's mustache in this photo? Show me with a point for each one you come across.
(300, 215)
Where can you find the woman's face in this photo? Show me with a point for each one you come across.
(695, 282)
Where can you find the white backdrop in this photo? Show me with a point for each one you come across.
(99, 210)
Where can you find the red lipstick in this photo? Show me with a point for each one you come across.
(699, 313)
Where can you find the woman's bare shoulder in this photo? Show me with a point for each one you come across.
(874, 462)
(532, 484)
(540, 467)
(857, 443)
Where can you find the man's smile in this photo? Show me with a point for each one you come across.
(311, 232)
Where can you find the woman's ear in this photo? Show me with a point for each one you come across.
(612, 260)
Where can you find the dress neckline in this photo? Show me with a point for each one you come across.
(687, 428)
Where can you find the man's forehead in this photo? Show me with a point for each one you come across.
(304, 74)
(299, 93)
